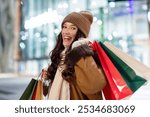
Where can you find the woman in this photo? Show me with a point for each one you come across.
(73, 71)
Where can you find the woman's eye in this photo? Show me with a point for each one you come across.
(73, 28)
(64, 26)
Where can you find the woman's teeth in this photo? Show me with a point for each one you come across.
(67, 38)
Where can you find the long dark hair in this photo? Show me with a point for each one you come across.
(55, 54)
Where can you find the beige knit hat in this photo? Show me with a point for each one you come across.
(82, 20)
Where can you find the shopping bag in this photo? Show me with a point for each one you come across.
(139, 68)
(133, 81)
(34, 94)
(28, 93)
(116, 87)
(38, 92)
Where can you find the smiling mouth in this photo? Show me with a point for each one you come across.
(67, 38)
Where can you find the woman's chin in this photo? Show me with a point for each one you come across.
(66, 44)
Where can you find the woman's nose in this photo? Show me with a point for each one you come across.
(67, 31)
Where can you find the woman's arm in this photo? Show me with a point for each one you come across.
(90, 78)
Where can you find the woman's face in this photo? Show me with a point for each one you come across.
(69, 32)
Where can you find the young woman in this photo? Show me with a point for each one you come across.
(75, 72)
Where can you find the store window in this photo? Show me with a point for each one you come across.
(39, 29)
(126, 26)
(41, 24)
(123, 23)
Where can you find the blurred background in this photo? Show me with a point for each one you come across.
(28, 30)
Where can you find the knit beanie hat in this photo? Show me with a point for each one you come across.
(82, 20)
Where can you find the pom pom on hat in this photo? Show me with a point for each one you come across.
(82, 20)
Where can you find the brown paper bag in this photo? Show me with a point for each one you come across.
(39, 91)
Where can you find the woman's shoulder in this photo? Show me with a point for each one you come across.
(82, 47)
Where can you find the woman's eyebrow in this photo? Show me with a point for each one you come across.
(73, 25)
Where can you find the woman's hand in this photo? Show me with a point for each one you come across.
(44, 74)
(81, 41)
(46, 82)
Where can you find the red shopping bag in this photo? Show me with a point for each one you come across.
(116, 87)
(34, 94)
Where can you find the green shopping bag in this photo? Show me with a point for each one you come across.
(133, 81)
(28, 93)
(139, 68)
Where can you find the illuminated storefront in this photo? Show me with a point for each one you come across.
(123, 23)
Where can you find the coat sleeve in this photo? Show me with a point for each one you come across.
(89, 77)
